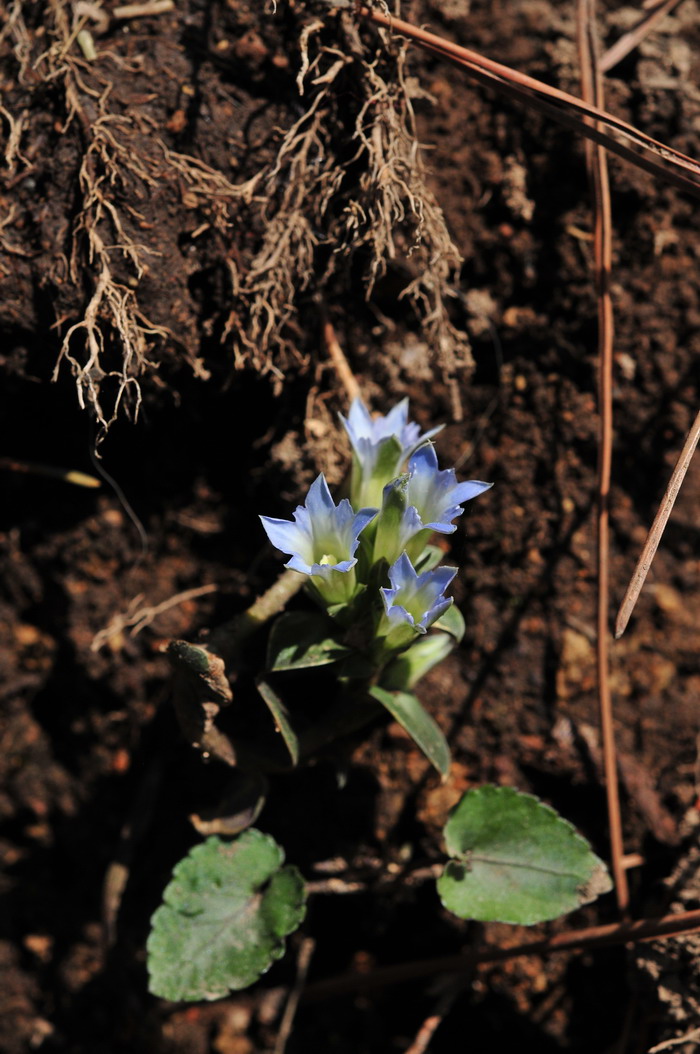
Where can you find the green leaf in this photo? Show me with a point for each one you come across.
(407, 668)
(282, 720)
(226, 912)
(452, 622)
(421, 727)
(300, 639)
(517, 860)
(428, 559)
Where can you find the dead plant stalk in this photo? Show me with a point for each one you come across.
(596, 160)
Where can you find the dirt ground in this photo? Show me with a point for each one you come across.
(155, 198)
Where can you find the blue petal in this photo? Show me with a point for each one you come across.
(402, 574)
(285, 535)
(361, 520)
(471, 488)
(439, 579)
(358, 423)
(297, 564)
(395, 422)
(436, 611)
(319, 501)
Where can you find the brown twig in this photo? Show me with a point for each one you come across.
(138, 617)
(339, 362)
(657, 529)
(431, 1024)
(633, 38)
(596, 160)
(572, 940)
(657, 158)
(303, 962)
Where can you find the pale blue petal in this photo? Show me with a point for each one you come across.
(402, 574)
(361, 520)
(471, 488)
(297, 564)
(286, 536)
(319, 501)
(395, 422)
(325, 570)
(436, 611)
(436, 580)
(410, 525)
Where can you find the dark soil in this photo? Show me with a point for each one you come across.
(235, 421)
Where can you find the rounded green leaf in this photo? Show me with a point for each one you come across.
(224, 917)
(516, 860)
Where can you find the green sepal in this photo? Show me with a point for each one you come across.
(452, 621)
(301, 639)
(421, 727)
(428, 559)
(394, 504)
(406, 669)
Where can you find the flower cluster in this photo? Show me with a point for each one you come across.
(402, 498)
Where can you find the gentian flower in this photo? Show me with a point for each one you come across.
(380, 447)
(424, 500)
(322, 541)
(414, 601)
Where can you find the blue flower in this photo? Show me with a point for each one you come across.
(422, 501)
(322, 540)
(436, 495)
(414, 600)
(380, 446)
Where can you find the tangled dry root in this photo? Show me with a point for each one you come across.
(345, 194)
(369, 202)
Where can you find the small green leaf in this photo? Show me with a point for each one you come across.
(452, 622)
(282, 720)
(407, 668)
(226, 912)
(300, 639)
(517, 860)
(421, 727)
(428, 559)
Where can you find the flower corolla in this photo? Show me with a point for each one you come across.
(322, 540)
(416, 600)
(380, 446)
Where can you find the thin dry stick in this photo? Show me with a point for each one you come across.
(426, 1032)
(572, 940)
(630, 40)
(665, 162)
(657, 529)
(592, 91)
(139, 617)
(68, 475)
(303, 961)
(339, 362)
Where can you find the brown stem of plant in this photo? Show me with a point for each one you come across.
(593, 92)
(572, 940)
